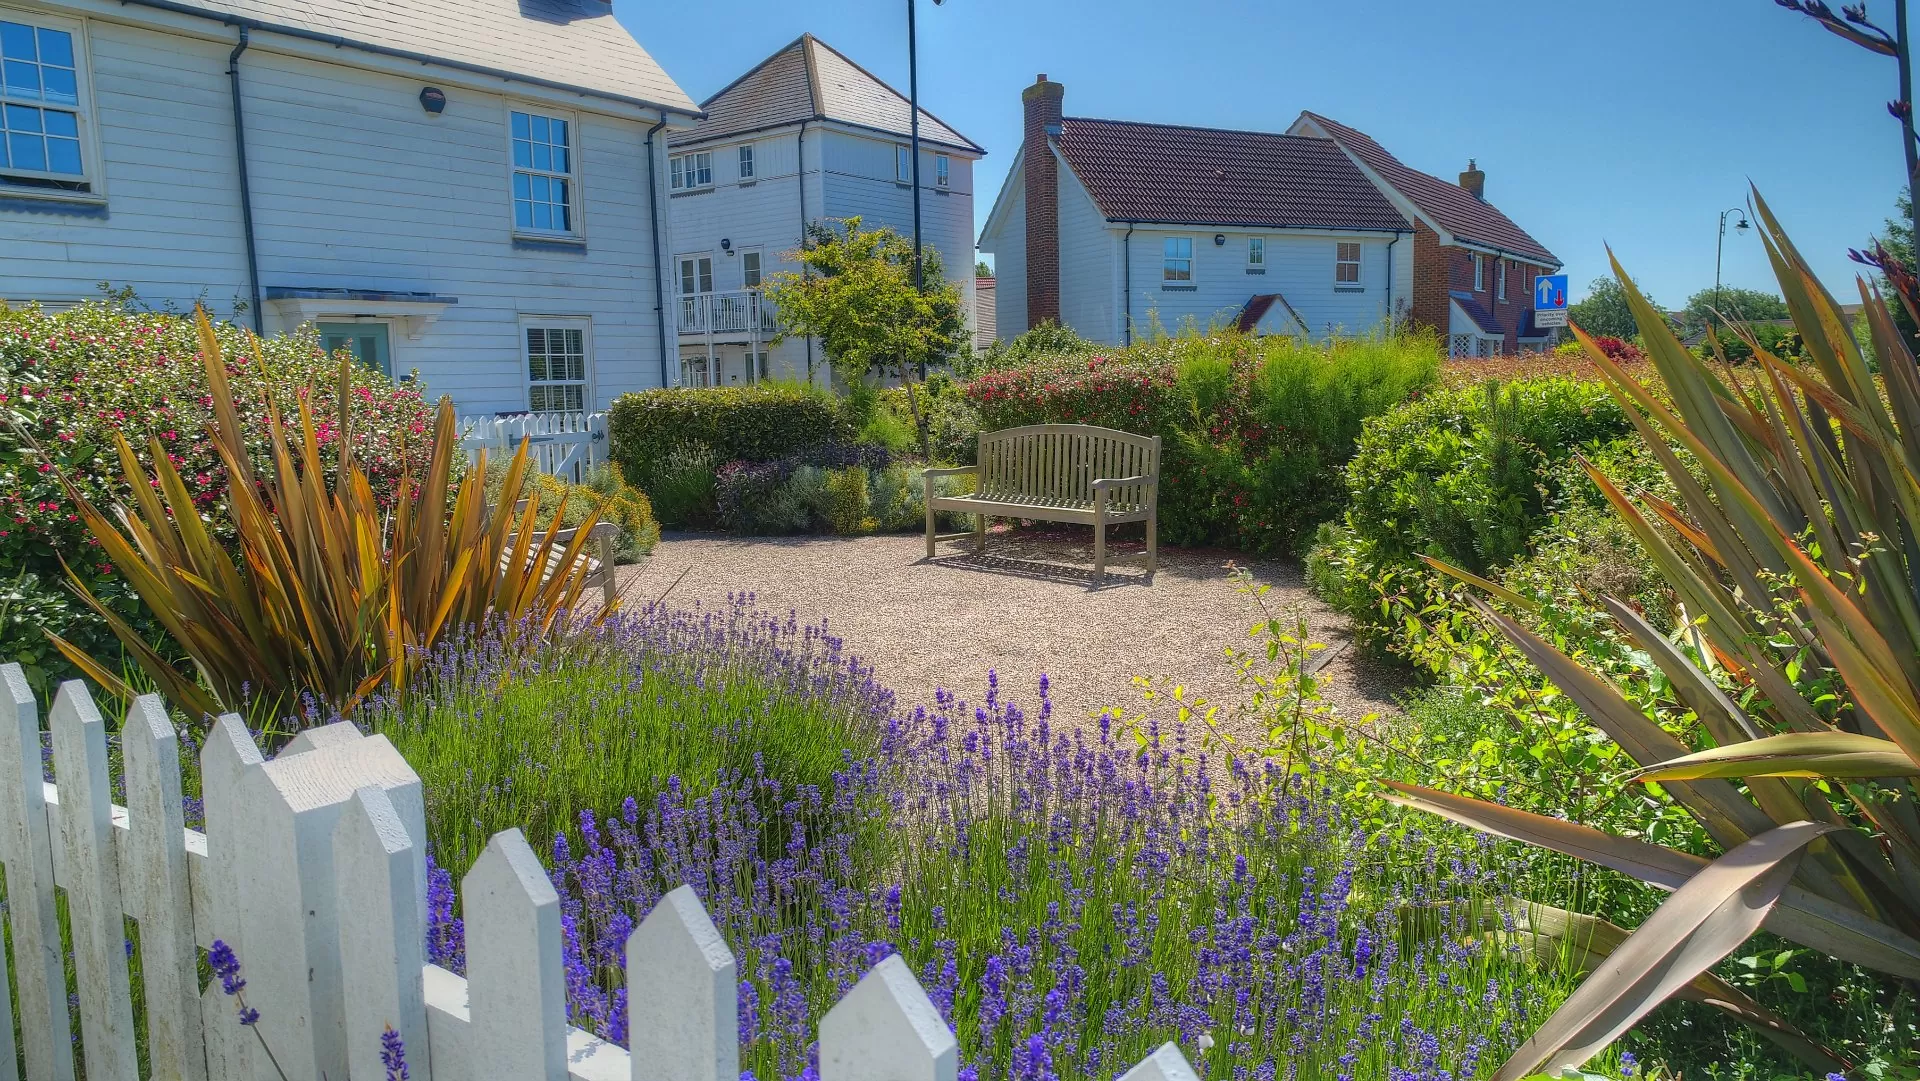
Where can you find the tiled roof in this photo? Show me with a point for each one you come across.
(1210, 176)
(810, 80)
(572, 43)
(1477, 312)
(1257, 308)
(1467, 218)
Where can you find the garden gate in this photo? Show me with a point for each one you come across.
(312, 868)
(561, 444)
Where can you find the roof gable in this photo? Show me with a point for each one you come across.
(810, 80)
(575, 43)
(1216, 177)
(1472, 220)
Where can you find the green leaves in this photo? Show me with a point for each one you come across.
(1846, 755)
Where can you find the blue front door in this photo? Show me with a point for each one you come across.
(366, 341)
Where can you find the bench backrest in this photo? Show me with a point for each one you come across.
(1059, 462)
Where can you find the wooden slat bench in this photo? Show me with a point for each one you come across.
(598, 553)
(1058, 473)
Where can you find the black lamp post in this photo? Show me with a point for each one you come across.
(1718, 244)
(913, 139)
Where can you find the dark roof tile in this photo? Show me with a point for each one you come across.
(1477, 312)
(1467, 218)
(1210, 176)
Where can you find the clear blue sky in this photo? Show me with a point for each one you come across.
(1627, 122)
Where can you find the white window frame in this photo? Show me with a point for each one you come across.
(1191, 259)
(902, 163)
(680, 276)
(745, 156)
(1500, 279)
(705, 364)
(1256, 253)
(942, 171)
(576, 193)
(683, 170)
(759, 267)
(1358, 263)
(581, 323)
(91, 183)
(1479, 273)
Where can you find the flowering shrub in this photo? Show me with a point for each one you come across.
(70, 381)
(1253, 430)
(1069, 898)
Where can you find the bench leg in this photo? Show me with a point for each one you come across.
(1153, 539)
(930, 516)
(1099, 543)
(979, 534)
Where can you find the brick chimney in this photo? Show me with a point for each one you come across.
(1041, 178)
(1475, 181)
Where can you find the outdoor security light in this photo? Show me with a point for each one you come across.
(433, 99)
(1219, 240)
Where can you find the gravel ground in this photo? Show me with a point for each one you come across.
(1026, 607)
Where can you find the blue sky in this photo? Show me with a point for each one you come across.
(1628, 122)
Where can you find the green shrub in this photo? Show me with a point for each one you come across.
(619, 504)
(1049, 339)
(683, 487)
(755, 423)
(953, 426)
(1254, 430)
(71, 380)
(848, 501)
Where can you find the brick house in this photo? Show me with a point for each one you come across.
(1473, 268)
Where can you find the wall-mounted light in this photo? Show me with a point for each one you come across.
(726, 246)
(433, 99)
(1219, 240)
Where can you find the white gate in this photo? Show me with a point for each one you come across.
(312, 869)
(561, 444)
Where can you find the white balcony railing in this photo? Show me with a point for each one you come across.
(743, 311)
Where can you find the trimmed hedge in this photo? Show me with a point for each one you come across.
(1253, 430)
(757, 423)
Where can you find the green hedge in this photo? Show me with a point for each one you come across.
(1253, 430)
(756, 423)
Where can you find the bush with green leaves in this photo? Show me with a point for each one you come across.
(618, 503)
(70, 381)
(1254, 430)
(756, 423)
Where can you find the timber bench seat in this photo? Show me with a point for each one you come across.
(1058, 473)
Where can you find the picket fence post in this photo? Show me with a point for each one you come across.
(26, 848)
(228, 760)
(158, 891)
(887, 1029)
(516, 990)
(682, 995)
(1165, 1064)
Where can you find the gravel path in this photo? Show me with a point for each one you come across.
(1028, 606)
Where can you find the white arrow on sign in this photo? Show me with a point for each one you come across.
(1543, 293)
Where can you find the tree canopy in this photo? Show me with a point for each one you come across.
(855, 293)
(1732, 303)
(1604, 312)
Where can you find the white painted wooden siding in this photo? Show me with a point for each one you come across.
(1089, 262)
(1008, 243)
(859, 179)
(354, 186)
(313, 869)
(1299, 267)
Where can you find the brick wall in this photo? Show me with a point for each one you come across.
(1041, 179)
(1439, 270)
(1430, 280)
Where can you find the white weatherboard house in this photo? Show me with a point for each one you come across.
(457, 187)
(1108, 226)
(806, 136)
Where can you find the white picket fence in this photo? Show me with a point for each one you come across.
(561, 444)
(312, 868)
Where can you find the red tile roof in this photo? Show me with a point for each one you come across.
(1467, 218)
(1215, 177)
(1257, 308)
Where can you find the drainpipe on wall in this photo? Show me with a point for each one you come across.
(800, 175)
(659, 268)
(1390, 244)
(1126, 261)
(246, 192)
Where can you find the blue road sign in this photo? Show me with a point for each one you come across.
(1550, 293)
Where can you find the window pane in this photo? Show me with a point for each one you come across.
(59, 87)
(56, 47)
(559, 133)
(28, 152)
(539, 129)
(522, 126)
(563, 213)
(542, 215)
(22, 118)
(522, 154)
(63, 156)
(523, 214)
(542, 156)
(16, 41)
(22, 80)
(561, 160)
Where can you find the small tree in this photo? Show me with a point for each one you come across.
(981, 269)
(1604, 313)
(1729, 303)
(855, 293)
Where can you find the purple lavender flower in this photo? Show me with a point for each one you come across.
(393, 1055)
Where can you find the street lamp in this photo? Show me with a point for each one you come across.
(1718, 244)
(913, 140)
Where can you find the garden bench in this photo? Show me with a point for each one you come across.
(1058, 473)
(598, 552)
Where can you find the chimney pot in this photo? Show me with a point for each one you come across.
(1474, 180)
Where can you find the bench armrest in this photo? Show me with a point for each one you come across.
(950, 471)
(1121, 482)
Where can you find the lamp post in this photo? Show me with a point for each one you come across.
(913, 141)
(1719, 244)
